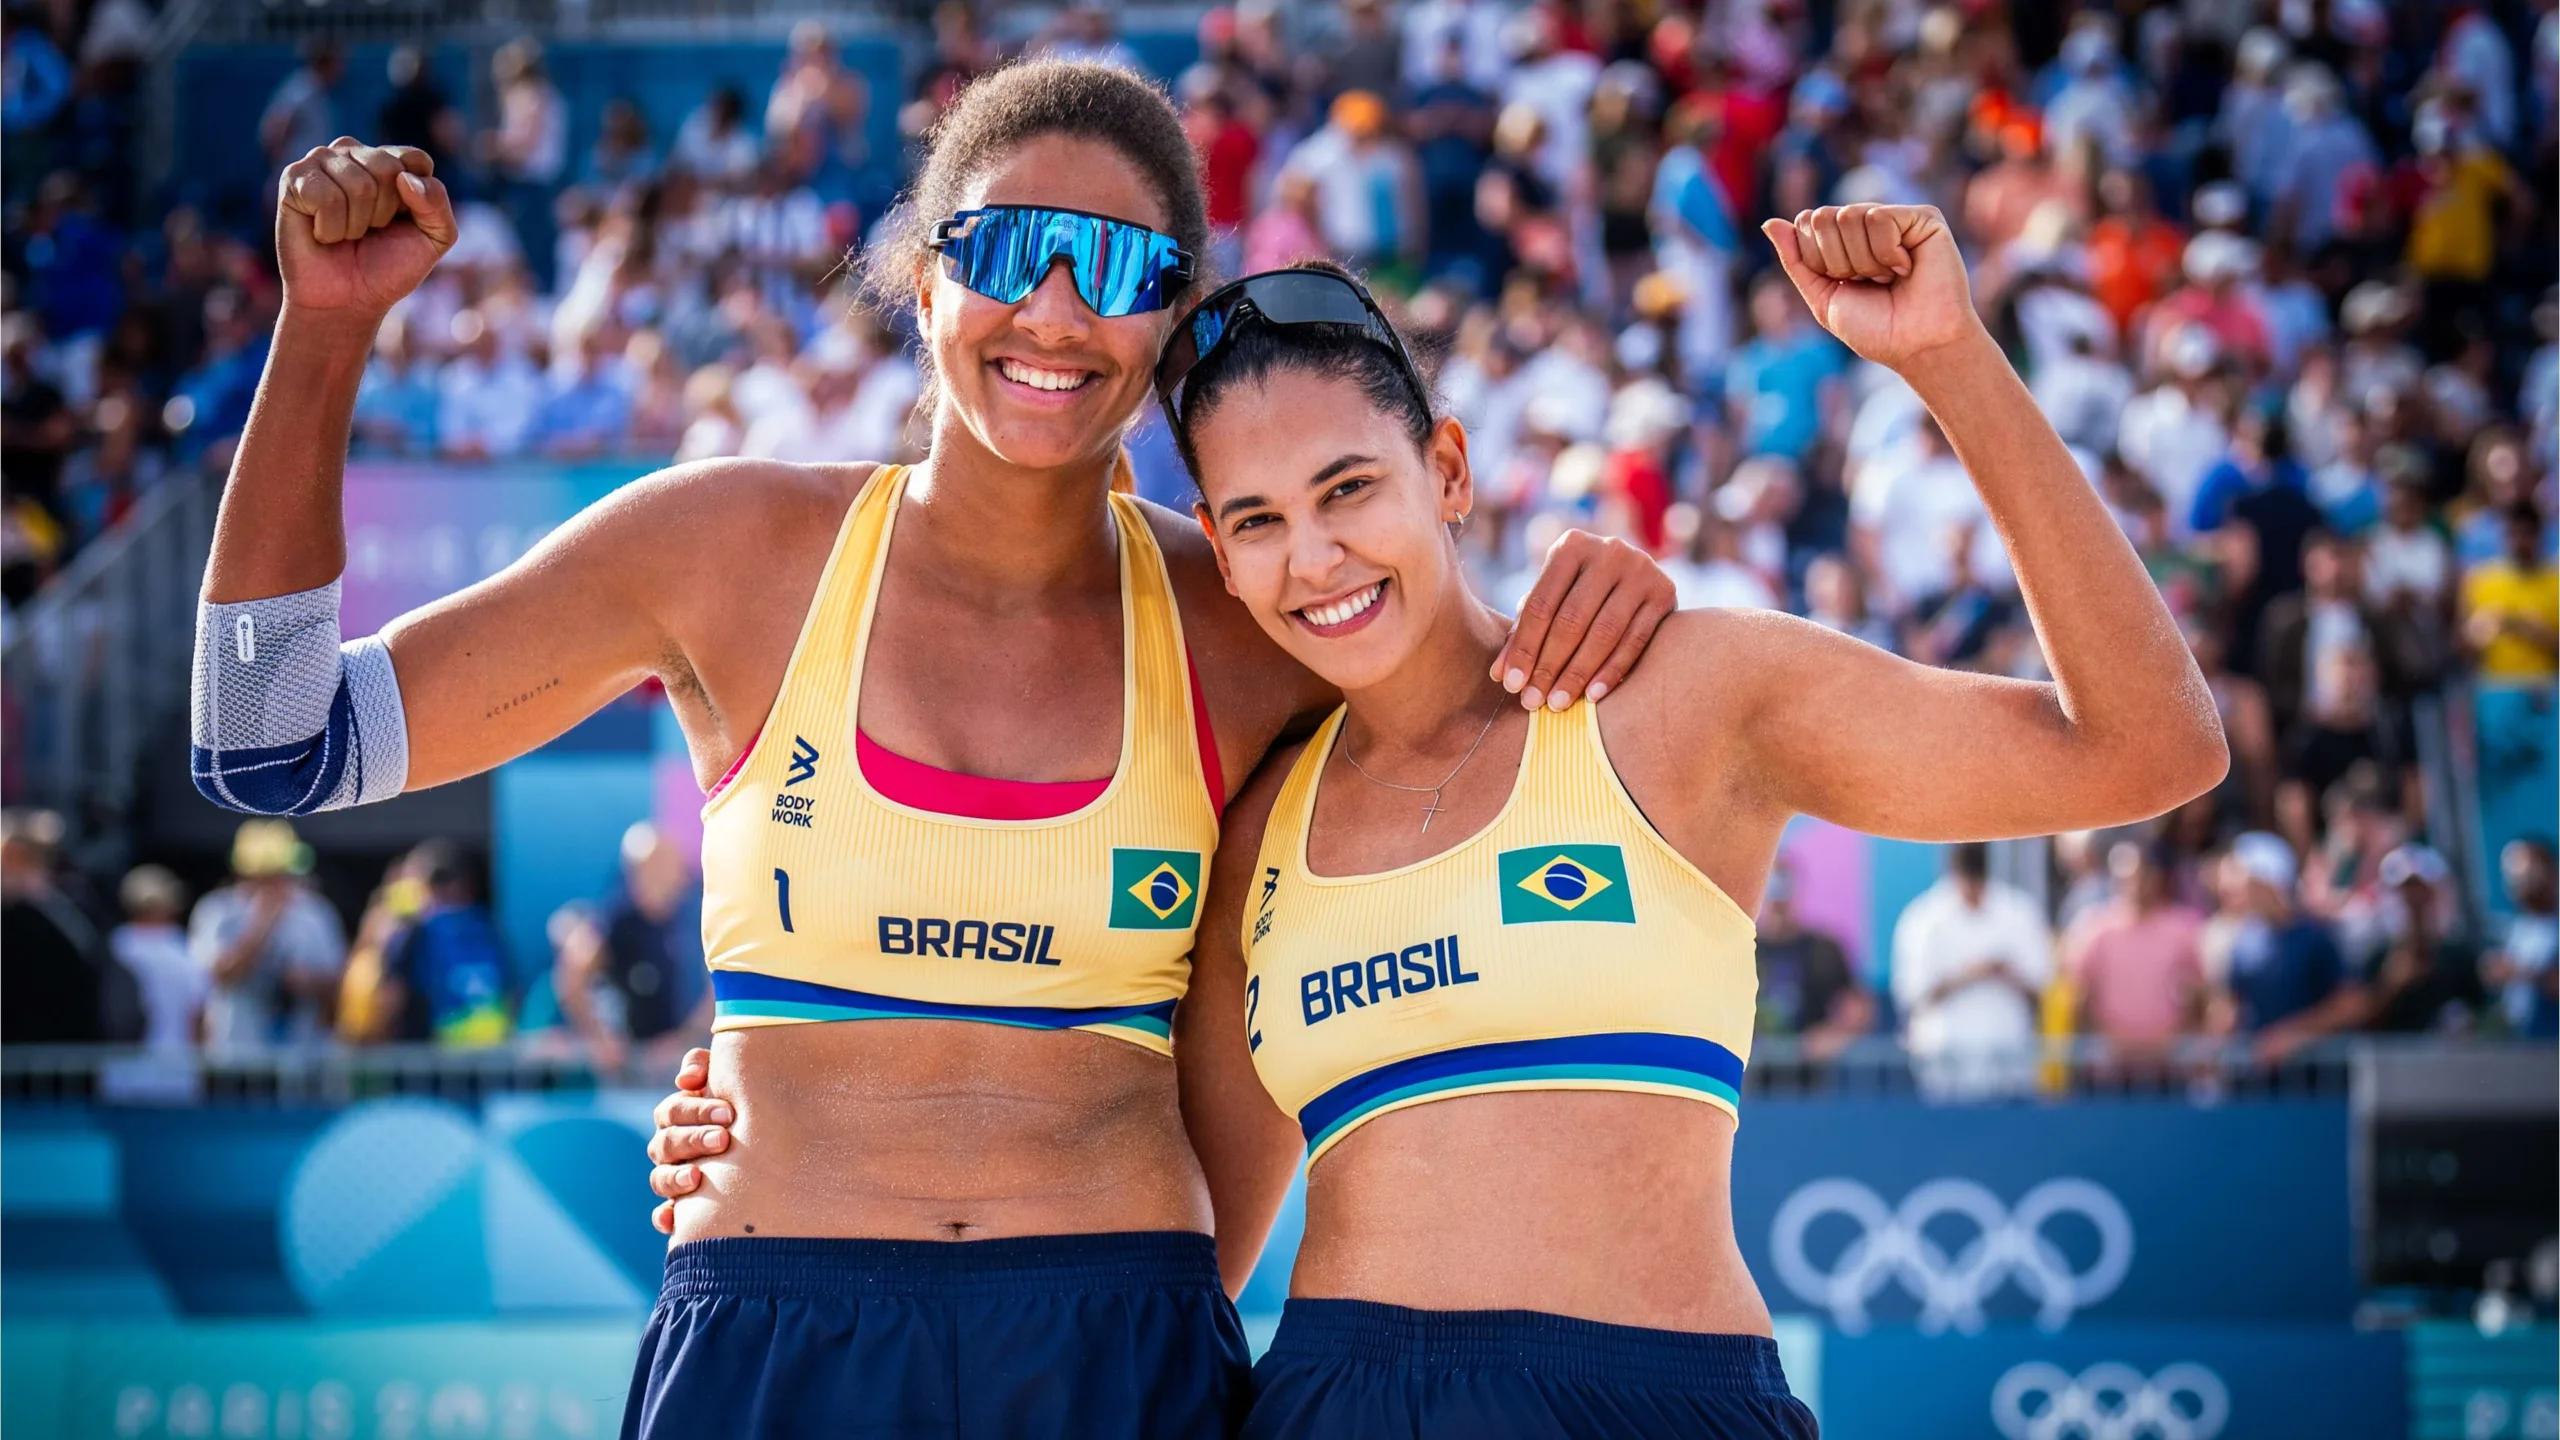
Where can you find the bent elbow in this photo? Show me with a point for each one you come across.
(2172, 768)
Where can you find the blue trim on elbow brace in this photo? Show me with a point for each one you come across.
(291, 779)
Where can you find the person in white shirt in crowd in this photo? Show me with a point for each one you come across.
(531, 144)
(2523, 970)
(2096, 103)
(1556, 83)
(269, 947)
(1706, 568)
(2083, 391)
(2408, 564)
(1476, 25)
(1758, 500)
(2377, 356)
(2252, 124)
(2325, 148)
(816, 112)
(2174, 432)
(713, 427)
(1368, 188)
(778, 232)
(1084, 32)
(152, 947)
(1697, 239)
(1971, 958)
(1900, 516)
(715, 143)
(299, 117)
(487, 401)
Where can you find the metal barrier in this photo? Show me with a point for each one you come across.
(95, 664)
(2202, 1070)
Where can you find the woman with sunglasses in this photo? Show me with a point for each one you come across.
(966, 784)
(1496, 968)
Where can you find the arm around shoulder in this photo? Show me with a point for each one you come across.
(1248, 1147)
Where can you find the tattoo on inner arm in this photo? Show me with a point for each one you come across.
(503, 706)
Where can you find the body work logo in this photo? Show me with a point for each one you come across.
(1154, 889)
(1990, 1245)
(1564, 882)
(797, 810)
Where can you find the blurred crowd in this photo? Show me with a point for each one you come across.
(264, 960)
(2279, 271)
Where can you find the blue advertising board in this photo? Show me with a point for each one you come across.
(1859, 1213)
(2120, 1382)
(1880, 1212)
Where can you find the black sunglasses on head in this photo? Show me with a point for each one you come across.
(1275, 297)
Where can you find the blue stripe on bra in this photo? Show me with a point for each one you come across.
(1592, 1056)
(740, 992)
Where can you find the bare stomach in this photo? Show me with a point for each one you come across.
(1605, 1206)
(943, 1130)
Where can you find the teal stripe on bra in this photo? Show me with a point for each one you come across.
(1649, 1074)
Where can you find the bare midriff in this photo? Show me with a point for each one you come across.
(943, 1130)
(1604, 1206)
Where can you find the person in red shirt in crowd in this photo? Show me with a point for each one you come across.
(2134, 253)
(1228, 150)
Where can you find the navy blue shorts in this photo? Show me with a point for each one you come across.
(1354, 1370)
(1121, 1337)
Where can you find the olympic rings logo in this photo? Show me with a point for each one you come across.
(2110, 1401)
(2007, 1245)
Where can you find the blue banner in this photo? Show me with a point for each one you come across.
(1951, 1218)
(2116, 1382)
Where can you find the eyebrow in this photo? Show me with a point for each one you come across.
(1342, 463)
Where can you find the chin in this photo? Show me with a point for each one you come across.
(1354, 662)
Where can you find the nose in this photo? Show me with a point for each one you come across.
(1313, 552)
(1053, 313)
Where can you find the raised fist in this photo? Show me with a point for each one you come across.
(1885, 279)
(358, 226)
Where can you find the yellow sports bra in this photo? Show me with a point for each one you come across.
(1564, 947)
(825, 899)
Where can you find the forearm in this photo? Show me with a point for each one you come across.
(2122, 673)
(281, 527)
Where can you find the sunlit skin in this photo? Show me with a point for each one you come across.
(1615, 1206)
(700, 576)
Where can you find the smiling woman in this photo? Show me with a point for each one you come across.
(967, 729)
(1509, 1022)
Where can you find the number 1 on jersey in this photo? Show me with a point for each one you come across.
(782, 896)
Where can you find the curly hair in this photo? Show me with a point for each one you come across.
(1007, 108)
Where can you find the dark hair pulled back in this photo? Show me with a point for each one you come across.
(1257, 352)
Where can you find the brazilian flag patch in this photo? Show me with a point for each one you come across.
(1154, 889)
(1565, 882)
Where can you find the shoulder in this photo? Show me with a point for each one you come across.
(1242, 830)
(722, 510)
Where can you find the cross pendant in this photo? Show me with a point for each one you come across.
(1430, 810)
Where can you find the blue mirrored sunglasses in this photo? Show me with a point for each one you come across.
(1004, 251)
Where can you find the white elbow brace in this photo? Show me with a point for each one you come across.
(286, 720)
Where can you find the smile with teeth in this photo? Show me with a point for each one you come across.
(1039, 379)
(1348, 608)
